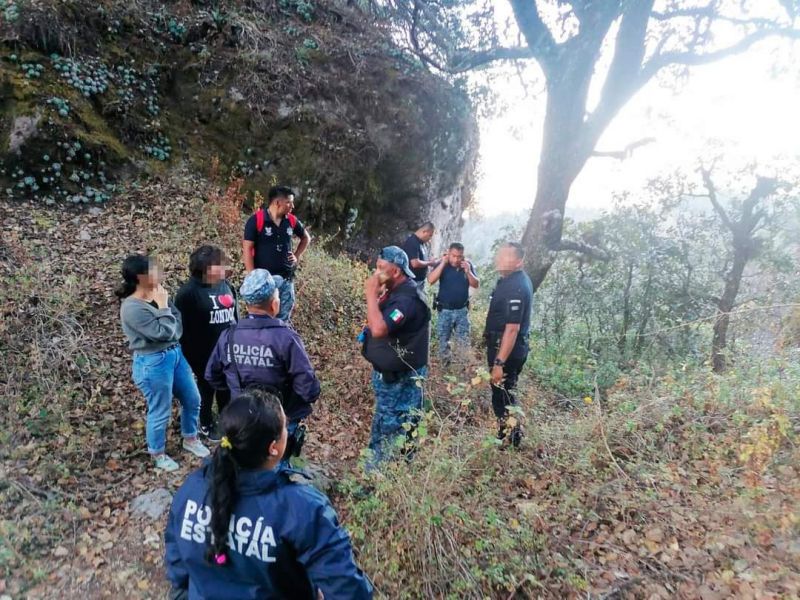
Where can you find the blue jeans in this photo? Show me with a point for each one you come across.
(452, 320)
(286, 292)
(160, 376)
(396, 404)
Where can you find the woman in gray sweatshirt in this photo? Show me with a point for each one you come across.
(152, 325)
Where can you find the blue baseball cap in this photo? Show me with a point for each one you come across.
(259, 285)
(397, 256)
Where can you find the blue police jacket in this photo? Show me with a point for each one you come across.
(267, 352)
(284, 541)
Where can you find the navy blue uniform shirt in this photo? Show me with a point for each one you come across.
(284, 541)
(403, 313)
(511, 302)
(267, 352)
(414, 249)
(273, 244)
(454, 287)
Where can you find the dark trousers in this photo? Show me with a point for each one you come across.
(207, 394)
(502, 395)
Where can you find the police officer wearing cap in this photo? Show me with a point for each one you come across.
(456, 275)
(263, 351)
(396, 342)
(507, 327)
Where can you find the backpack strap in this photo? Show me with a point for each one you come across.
(260, 220)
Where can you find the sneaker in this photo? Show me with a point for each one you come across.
(165, 463)
(210, 433)
(196, 447)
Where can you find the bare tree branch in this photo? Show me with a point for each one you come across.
(712, 196)
(623, 78)
(470, 60)
(626, 152)
(536, 33)
(692, 59)
(581, 247)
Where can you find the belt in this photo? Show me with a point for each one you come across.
(445, 306)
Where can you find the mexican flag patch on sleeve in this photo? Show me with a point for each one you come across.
(396, 316)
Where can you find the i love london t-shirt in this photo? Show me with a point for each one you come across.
(206, 312)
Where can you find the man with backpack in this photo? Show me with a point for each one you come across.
(268, 243)
(263, 351)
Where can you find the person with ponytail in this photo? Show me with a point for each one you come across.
(242, 526)
(152, 325)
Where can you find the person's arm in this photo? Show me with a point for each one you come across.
(153, 324)
(249, 244)
(177, 574)
(304, 381)
(434, 275)
(305, 240)
(324, 549)
(506, 346)
(247, 255)
(472, 278)
(375, 321)
(215, 368)
(513, 307)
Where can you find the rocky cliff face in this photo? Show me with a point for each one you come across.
(306, 92)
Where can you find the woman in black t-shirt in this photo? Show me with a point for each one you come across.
(208, 306)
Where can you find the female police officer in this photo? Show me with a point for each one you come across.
(240, 528)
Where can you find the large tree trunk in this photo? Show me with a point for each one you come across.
(562, 158)
(727, 301)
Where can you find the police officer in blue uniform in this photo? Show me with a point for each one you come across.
(396, 342)
(264, 351)
(244, 527)
(507, 328)
(414, 247)
(456, 276)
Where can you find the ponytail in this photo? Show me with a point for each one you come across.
(224, 475)
(132, 267)
(250, 424)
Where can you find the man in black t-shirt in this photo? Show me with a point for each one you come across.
(268, 243)
(508, 325)
(414, 247)
(456, 275)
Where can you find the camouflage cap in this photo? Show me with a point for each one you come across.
(397, 256)
(259, 285)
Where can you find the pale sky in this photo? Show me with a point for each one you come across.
(737, 100)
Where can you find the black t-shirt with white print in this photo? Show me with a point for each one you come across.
(274, 242)
(206, 312)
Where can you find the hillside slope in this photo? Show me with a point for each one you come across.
(685, 486)
(311, 93)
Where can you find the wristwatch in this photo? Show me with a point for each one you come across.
(499, 363)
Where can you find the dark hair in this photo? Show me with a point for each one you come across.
(279, 191)
(457, 246)
(132, 267)
(519, 250)
(427, 225)
(204, 257)
(250, 424)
